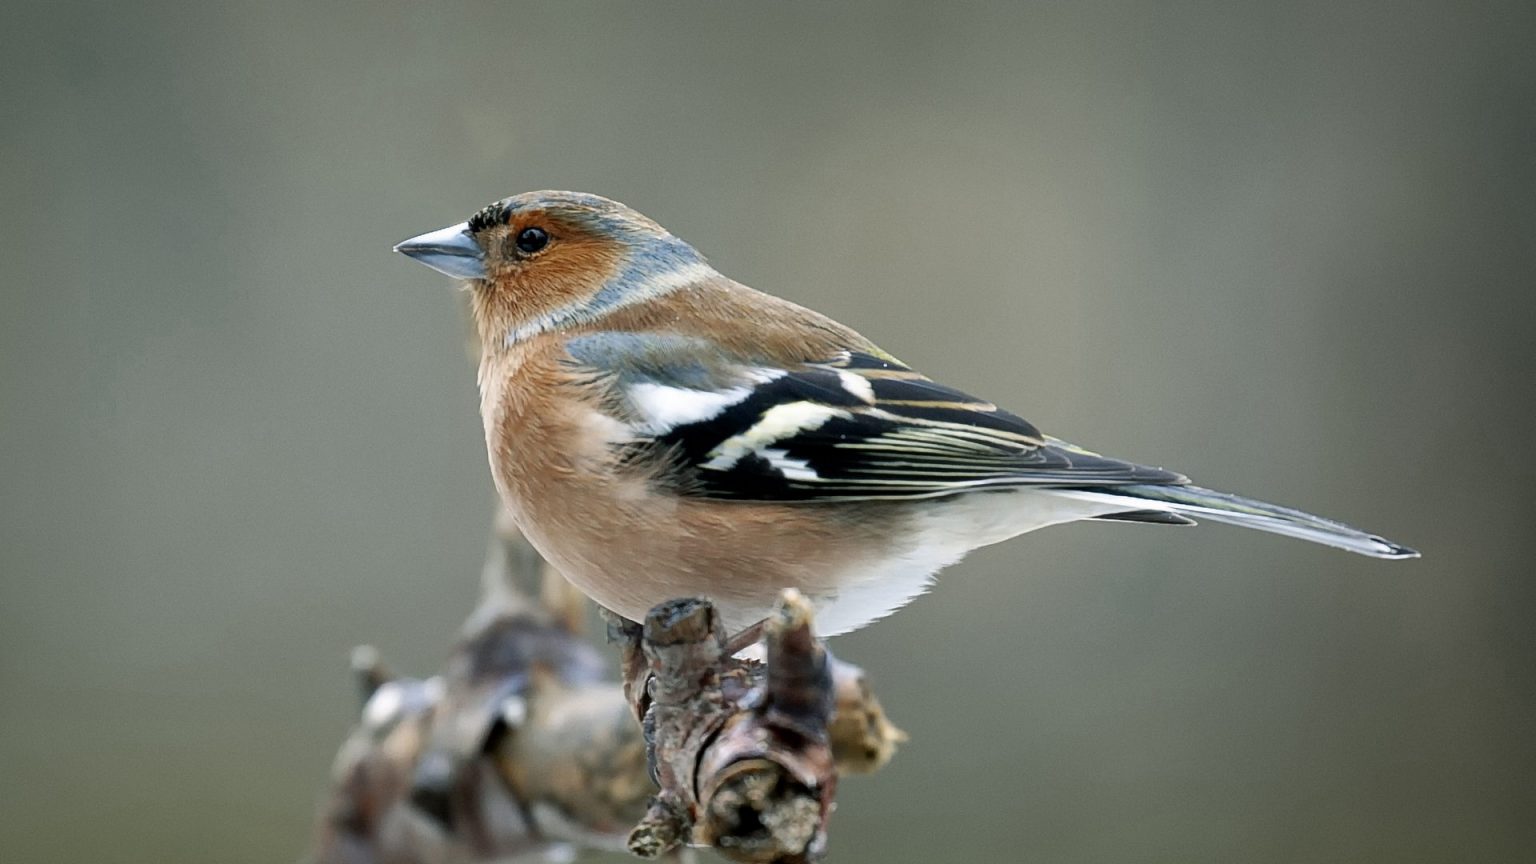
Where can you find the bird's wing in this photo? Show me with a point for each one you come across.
(859, 425)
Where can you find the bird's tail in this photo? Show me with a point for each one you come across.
(1234, 510)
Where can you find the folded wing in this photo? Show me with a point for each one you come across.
(855, 426)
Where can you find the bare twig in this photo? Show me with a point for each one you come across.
(523, 750)
(746, 754)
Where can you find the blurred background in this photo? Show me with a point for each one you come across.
(1287, 248)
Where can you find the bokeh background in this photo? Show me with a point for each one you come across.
(1288, 248)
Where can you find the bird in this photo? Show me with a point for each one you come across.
(658, 430)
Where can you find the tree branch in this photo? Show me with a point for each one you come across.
(522, 748)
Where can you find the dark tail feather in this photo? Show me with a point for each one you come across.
(1187, 501)
(1148, 517)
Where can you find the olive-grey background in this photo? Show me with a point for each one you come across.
(1287, 248)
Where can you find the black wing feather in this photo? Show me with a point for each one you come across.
(903, 436)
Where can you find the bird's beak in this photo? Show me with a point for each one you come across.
(450, 250)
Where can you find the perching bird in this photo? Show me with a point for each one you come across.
(658, 431)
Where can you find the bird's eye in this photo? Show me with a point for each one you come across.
(531, 240)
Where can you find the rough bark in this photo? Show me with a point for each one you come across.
(523, 748)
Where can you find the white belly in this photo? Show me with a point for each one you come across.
(942, 532)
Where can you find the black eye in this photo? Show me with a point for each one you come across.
(531, 240)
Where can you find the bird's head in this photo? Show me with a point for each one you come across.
(543, 261)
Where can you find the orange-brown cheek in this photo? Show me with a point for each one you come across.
(567, 274)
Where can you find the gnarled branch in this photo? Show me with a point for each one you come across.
(523, 748)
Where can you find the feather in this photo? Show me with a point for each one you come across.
(1236, 510)
(856, 426)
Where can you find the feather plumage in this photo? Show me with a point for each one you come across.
(855, 426)
(658, 430)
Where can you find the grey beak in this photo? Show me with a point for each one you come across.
(451, 251)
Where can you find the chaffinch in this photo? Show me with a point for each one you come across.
(658, 430)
